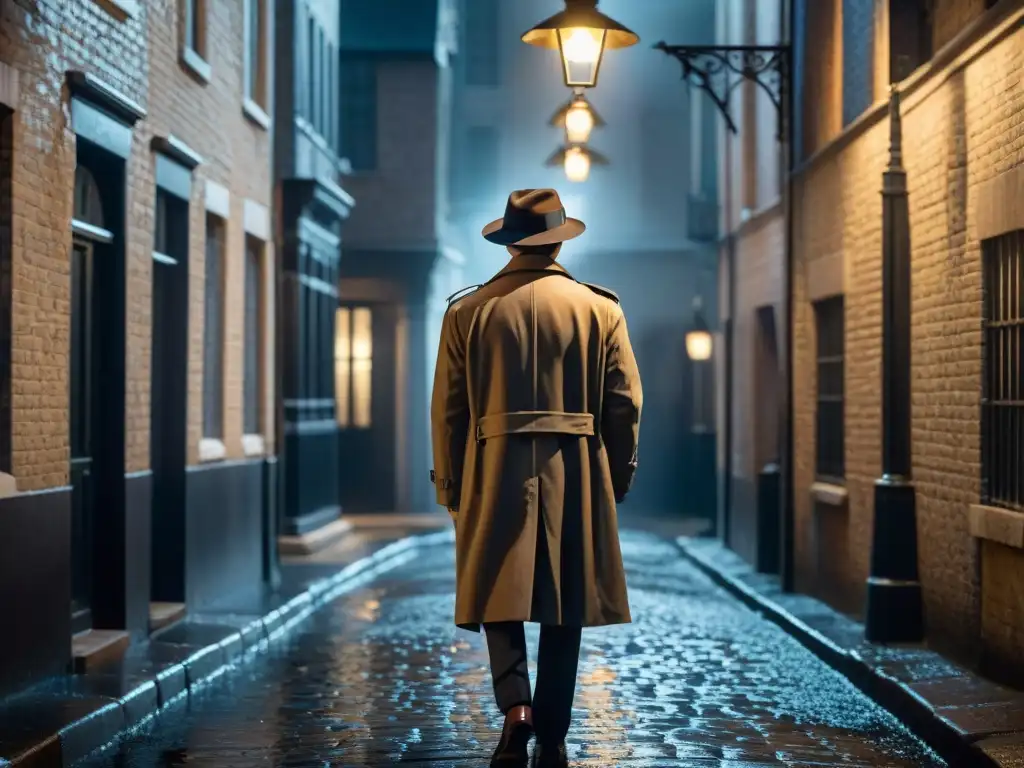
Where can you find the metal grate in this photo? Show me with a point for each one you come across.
(830, 441)
(1002, 400)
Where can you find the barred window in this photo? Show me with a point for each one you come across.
(1002, 400)
(829, 451)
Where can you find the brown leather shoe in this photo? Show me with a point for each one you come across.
(515, 738)
(550, 756)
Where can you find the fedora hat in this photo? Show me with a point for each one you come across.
(533, 217)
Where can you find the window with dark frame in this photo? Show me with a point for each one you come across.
(1002, 398)
(252, 384)
(830, 465)
(213, 330)
(256, 53)
(6, 243)
(910, 37)
(195, 28)
(358, 88)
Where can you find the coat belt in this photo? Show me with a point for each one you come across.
(533, 422)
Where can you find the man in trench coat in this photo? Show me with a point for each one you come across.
(535, 418)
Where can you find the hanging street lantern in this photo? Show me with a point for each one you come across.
(581, 33)
(577, 161)
(578, 118)
(698, 339)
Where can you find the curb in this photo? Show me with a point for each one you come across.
(103, 722)
(916, 713)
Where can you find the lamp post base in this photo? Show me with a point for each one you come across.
(895, 612)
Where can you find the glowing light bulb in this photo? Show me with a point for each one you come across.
(582, 46)
(698, 345)
(579, 122)
(577, 164)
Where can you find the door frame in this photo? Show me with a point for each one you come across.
(85, 237)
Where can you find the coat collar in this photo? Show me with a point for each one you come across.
(531, 263)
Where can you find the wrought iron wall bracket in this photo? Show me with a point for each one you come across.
(717, 70)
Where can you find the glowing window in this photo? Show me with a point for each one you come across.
(353, 367)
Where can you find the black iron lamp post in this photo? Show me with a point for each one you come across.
(717, 70)
(894, 605)
(581, 34)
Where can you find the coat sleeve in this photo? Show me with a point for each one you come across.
(449, 414)
(623, 401)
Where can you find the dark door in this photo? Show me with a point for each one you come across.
(168, 427)
(80, 393)
(368, 411)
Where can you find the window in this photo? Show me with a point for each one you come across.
(358, 87)
(312, 65)
(1002, 409)
(858, 61)
(829, 324)
(482, 43)
(910, 37)
(256, 80)
(6, 240)
(353, 366)
(161, 236)
(213, 330)
(252, 384)
(195, 26)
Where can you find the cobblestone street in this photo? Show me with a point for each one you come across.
(381, 676)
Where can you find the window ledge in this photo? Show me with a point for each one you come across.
(256, 114)
(1003, 526)
(212, 449)
(196, 64)
(254, 445)
(829, 494)
(120, 9)
(8, 486)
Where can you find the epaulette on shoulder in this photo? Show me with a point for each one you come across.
(462, 293)
(608, 293)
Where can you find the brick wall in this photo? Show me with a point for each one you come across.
(43, 39)
(209, 118)
(136, 52)
(959, 132)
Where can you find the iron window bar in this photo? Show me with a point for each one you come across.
(717, 70)
(1002, 401)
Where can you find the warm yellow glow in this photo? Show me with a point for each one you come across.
(362, 334)
(342, 365)
(581, 46)
(579, 122)
(698, 345)
(362, 367)
(582, 49)
(577, 164)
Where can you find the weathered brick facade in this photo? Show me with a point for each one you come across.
(960, 127)
(135, 48)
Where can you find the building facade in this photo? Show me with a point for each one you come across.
(398, 264)
(136, 256)
(312, 206)
(955, 63)
(752, 295)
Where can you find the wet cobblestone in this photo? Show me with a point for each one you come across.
(382, 677)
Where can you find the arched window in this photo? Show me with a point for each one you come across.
(88, 205)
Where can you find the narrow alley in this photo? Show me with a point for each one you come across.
(380, 676)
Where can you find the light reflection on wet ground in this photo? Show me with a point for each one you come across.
(381, 676)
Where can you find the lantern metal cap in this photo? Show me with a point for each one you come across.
(580, 14)
(558, 119)
(558, 156)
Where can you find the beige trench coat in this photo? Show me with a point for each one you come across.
(535, 417)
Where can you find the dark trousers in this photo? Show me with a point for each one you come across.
(557, 663)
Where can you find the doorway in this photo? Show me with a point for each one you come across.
(168, 391)
(366, 388)
(88, 235)
(767, 403)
